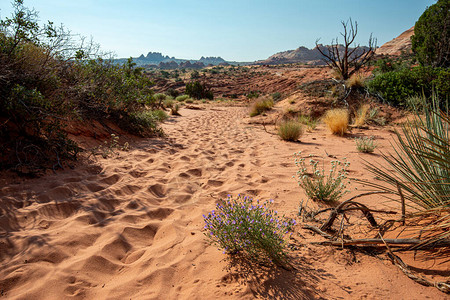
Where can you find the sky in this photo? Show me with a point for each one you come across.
(236, 30)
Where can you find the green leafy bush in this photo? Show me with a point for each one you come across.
(249, 227)
(397, 86)
(431, 39)
(290, 130)
(198, 91)
(47, 80)
(182, 98)
(317, 183)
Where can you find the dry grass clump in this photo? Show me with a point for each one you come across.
(355, 81)
(290, 130)
(337, 120)
(261, 106)
(361, 115)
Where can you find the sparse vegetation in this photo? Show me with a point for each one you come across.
(182, 98)
(361, 116)
(337, 120)
(421, 161)
(309, 121)
(290, 130)
(276, 96)
(260, 106)
(250, 228)
(317, 184)
(365, 144)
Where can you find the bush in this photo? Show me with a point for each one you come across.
(318, 185)
(253, 229)
(253, 94)
(276, 96)
(337, 121)
(182, 98)
(173, 93)
(397, 86)
(261, 106)
(365, 144)
(198, 91)
(431, 39)
(290, 130)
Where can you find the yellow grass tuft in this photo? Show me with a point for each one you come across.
(355, 81)
(260, 106)
(361, 115)
(337, 121)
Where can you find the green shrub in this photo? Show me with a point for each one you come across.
(182, 98)
(290, 130)
(276, 96)
(159, 115)
(198, 91)
(172, 92)
(431, 39)
(253, 94)
(261, 106)
(250, 228)
(365, 144)
(321, 185)
(397, 86)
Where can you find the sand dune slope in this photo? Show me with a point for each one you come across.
(130, 227)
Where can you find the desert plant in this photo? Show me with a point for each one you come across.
(249, 227)
(197, 90)
(420, 165)
(361, 116)
(431, 39)
(182, 98)
(252, 94)
(365, 144)
(346, 59)
(309, 121)
(337, 120)
(290, 130)
(260, 106)
(317, 183)
(159, 115)
(174, 110)
(355, 81)
(159, 97)
(276, 96)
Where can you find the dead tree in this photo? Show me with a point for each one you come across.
(347, 59)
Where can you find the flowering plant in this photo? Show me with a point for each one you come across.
(252, 228)
(319, 185)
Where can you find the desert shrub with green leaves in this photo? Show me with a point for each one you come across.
(198, 90)
(48, 79)
(252, 228)
(397, 86)
(290, 130)
(321, 184)
(182, 98)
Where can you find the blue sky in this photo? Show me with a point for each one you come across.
(240, 30)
